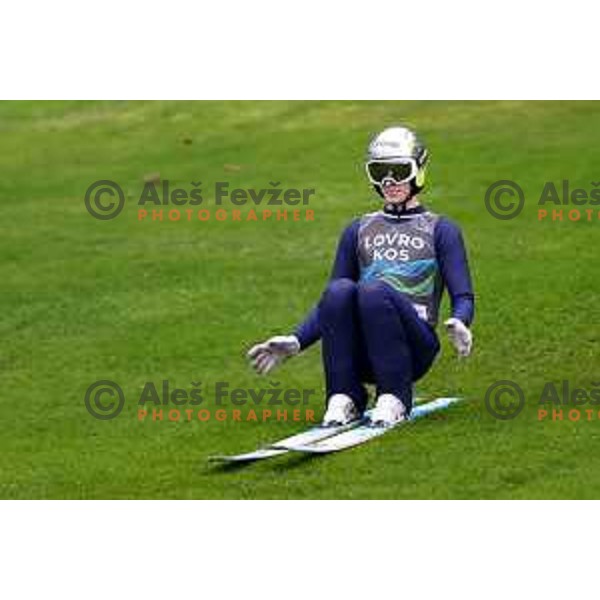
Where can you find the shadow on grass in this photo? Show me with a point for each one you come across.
(280, 463)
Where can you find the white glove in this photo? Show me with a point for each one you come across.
(266, 356)
(460, 336)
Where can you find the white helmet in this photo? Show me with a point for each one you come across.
(397, 154)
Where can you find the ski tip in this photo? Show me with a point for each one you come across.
(230, 461)
(220, 459)
(240, 458)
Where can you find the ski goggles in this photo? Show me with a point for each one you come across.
(399, 170)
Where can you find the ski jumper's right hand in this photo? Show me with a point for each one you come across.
(268, 355)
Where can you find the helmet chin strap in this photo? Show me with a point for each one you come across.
(392, 208)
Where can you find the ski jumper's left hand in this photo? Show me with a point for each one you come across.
(460, 336)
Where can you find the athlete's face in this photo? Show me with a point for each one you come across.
(395, 193)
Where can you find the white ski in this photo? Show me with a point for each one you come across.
(361, 434)
(305, 438)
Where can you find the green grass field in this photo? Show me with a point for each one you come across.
(84, 300)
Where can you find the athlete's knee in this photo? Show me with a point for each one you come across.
(339, 291)
(373, 295)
